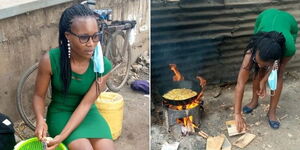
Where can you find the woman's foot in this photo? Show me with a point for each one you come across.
(250, 107)
(273, 122)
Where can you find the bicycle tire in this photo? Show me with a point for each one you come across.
(20, 104)
(114, 54)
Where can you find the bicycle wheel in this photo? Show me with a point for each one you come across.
(118, 52)
(24, 97)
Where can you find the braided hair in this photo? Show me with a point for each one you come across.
(270, 45)
(66, 20)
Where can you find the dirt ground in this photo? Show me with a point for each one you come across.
(135, 132)
(218, 109)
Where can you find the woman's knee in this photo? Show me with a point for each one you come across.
(80, 144)
(102, 144)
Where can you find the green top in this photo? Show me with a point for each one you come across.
(276, 20)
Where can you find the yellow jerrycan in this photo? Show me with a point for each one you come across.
(111, 107)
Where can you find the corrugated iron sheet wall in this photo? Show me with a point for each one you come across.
(206, 38)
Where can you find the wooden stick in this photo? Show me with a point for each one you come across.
(203, 134)
(286, 115)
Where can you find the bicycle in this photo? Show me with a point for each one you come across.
(114, 41)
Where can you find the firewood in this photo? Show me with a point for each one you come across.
(226, 145)
(244, 140)
(214, 143)
(232, 129)
(203, 134)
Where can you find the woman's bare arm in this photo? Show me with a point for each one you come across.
(241, 82)
(239, 92)
(41, 86)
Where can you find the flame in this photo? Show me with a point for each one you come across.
(177, 76)
(191, 105)
(194, 103)
(187, 122)
(202, 82)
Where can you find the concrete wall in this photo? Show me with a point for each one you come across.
(24, 38)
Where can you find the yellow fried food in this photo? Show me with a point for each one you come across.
(180, 94)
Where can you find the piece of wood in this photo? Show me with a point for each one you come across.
(203, 134)
(232, 130)
(226, 145)
(244, 140)
(281, 118)
(214, 143)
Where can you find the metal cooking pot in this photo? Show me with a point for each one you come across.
(188, 84)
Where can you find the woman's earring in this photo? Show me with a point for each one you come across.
(69, 49)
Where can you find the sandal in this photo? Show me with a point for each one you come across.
(273, 123)
(248, 110)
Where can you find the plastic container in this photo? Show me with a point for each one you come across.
(111, 107)
(35, 144)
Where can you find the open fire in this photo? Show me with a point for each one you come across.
(177, 75)
(196, 101)
(186, 119)
(187, 125)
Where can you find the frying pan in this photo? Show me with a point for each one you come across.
(188, 84)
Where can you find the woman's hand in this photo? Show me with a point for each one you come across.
(54, 143)
(240, 122)
(262, 89)
(41, 130)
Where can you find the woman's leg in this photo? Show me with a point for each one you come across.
(80, 144)
(102, 144)
(275, 99)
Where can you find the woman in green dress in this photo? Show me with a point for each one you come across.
(72, 117)
(275, 36)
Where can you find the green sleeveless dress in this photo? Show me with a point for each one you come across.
(276, 20)
(62, 106)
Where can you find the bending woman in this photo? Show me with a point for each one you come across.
(72, 116)
(274, 39)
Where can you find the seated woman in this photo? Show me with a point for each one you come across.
(72, 116)
(274, 39)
